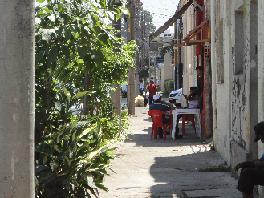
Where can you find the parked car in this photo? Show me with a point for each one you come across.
(175, 96)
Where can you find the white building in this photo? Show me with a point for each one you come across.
(237, 73)
(167, 70)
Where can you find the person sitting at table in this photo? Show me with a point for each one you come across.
(193, 99)
(193, 103)
(158, 104)
(177, 132)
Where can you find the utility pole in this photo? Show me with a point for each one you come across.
(143, 36)
(131, 73)
(17, 101)
(138, 37)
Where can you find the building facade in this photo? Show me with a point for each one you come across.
(228, 66)
(235, 78)
(237, 47)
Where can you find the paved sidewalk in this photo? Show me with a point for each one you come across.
(145, 168)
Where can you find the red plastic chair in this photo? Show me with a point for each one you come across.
(156, 116)
(186, 118)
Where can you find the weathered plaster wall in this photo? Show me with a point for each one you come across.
(232, 132)
(240, 106)
(223, 94)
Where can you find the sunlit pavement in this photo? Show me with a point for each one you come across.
(154, 168)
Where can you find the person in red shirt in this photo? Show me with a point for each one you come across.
(152, 89)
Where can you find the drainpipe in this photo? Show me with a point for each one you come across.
(213, 61)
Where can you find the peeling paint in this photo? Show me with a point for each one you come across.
(240, 93)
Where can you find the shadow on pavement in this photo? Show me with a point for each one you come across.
(144, 139)
(178, 175)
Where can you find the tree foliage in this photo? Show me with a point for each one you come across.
(78, 59)
(150, 27)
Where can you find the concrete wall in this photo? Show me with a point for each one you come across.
(240, 104)
(235, 108)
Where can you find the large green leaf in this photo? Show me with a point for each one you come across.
(81, 94)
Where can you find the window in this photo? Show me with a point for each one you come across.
(239, 42)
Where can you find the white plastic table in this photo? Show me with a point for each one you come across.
(195, 112)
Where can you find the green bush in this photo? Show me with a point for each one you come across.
(78, 60)
(74, 158)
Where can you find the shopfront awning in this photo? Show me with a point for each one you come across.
(172, 20)
(191, 38)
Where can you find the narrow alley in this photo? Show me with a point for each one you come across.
(154, 168)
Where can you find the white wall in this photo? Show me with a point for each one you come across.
(232, 127)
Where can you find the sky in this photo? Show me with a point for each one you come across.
(161, 10)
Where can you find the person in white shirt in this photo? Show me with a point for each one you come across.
(193, 103)
(193, 99)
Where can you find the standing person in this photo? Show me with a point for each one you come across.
(152, 89)
(141, 87)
